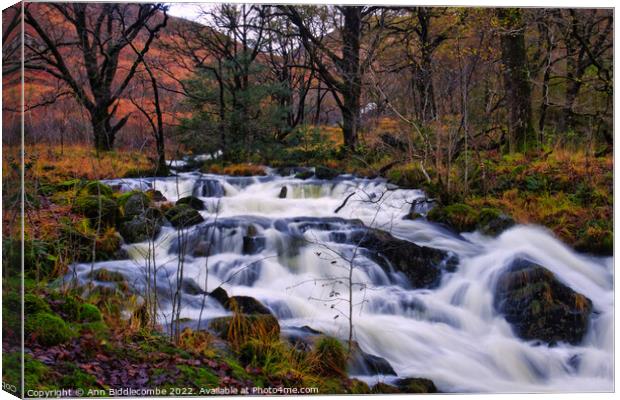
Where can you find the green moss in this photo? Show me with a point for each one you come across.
(182, 215)
(96, 188)
(331, 357)
(34, 304)
(69, 184)
(199, 376)
(89, 313)
(47, 329)
(76, 378)
(35, 372)
(92, 207)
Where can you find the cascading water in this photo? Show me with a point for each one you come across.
(451, 333)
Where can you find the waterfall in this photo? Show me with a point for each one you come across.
(451, 333)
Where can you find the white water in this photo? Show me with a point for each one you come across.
(450, 334)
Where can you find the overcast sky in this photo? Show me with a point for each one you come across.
(185, 10)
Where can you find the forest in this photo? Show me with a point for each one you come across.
(302, 199)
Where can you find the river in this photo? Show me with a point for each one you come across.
(450, 333)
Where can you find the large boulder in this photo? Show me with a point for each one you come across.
(133, 203)
(96, 207)
(142, 227)
(540, 307)
(322, 172)
(423, 266)
(183, 216)
(192, 201)
(244, 304)
(362, 363)
(416, 385)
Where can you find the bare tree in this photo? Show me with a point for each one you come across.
(84, 52)
(342, 71)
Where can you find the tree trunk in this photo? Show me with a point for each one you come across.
(103, 136)
(351, 37)
(521, 136)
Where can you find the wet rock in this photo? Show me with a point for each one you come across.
(304, 175)
(220, 295)
(362, 363)
(325, 173)
(254, 245)
(540, 307)
(283, 191)
(244, 304)
(201, 249)
(182, 216)
(416, 385)
(208, 188)
(423, 266)
(191, 287)
(192, 201)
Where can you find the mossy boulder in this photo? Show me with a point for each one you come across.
(461, 217)
(33, 304)
(330, 356)
(89, 313)
(416, 385)
(96, 188)
(94, 207)
(492, 221)
(407, 176)
(539, 307)
(322, 172)
(47, 329)
(182, 216)
(142, 227)
(192, 201)
(304, 175)
(133, 204)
